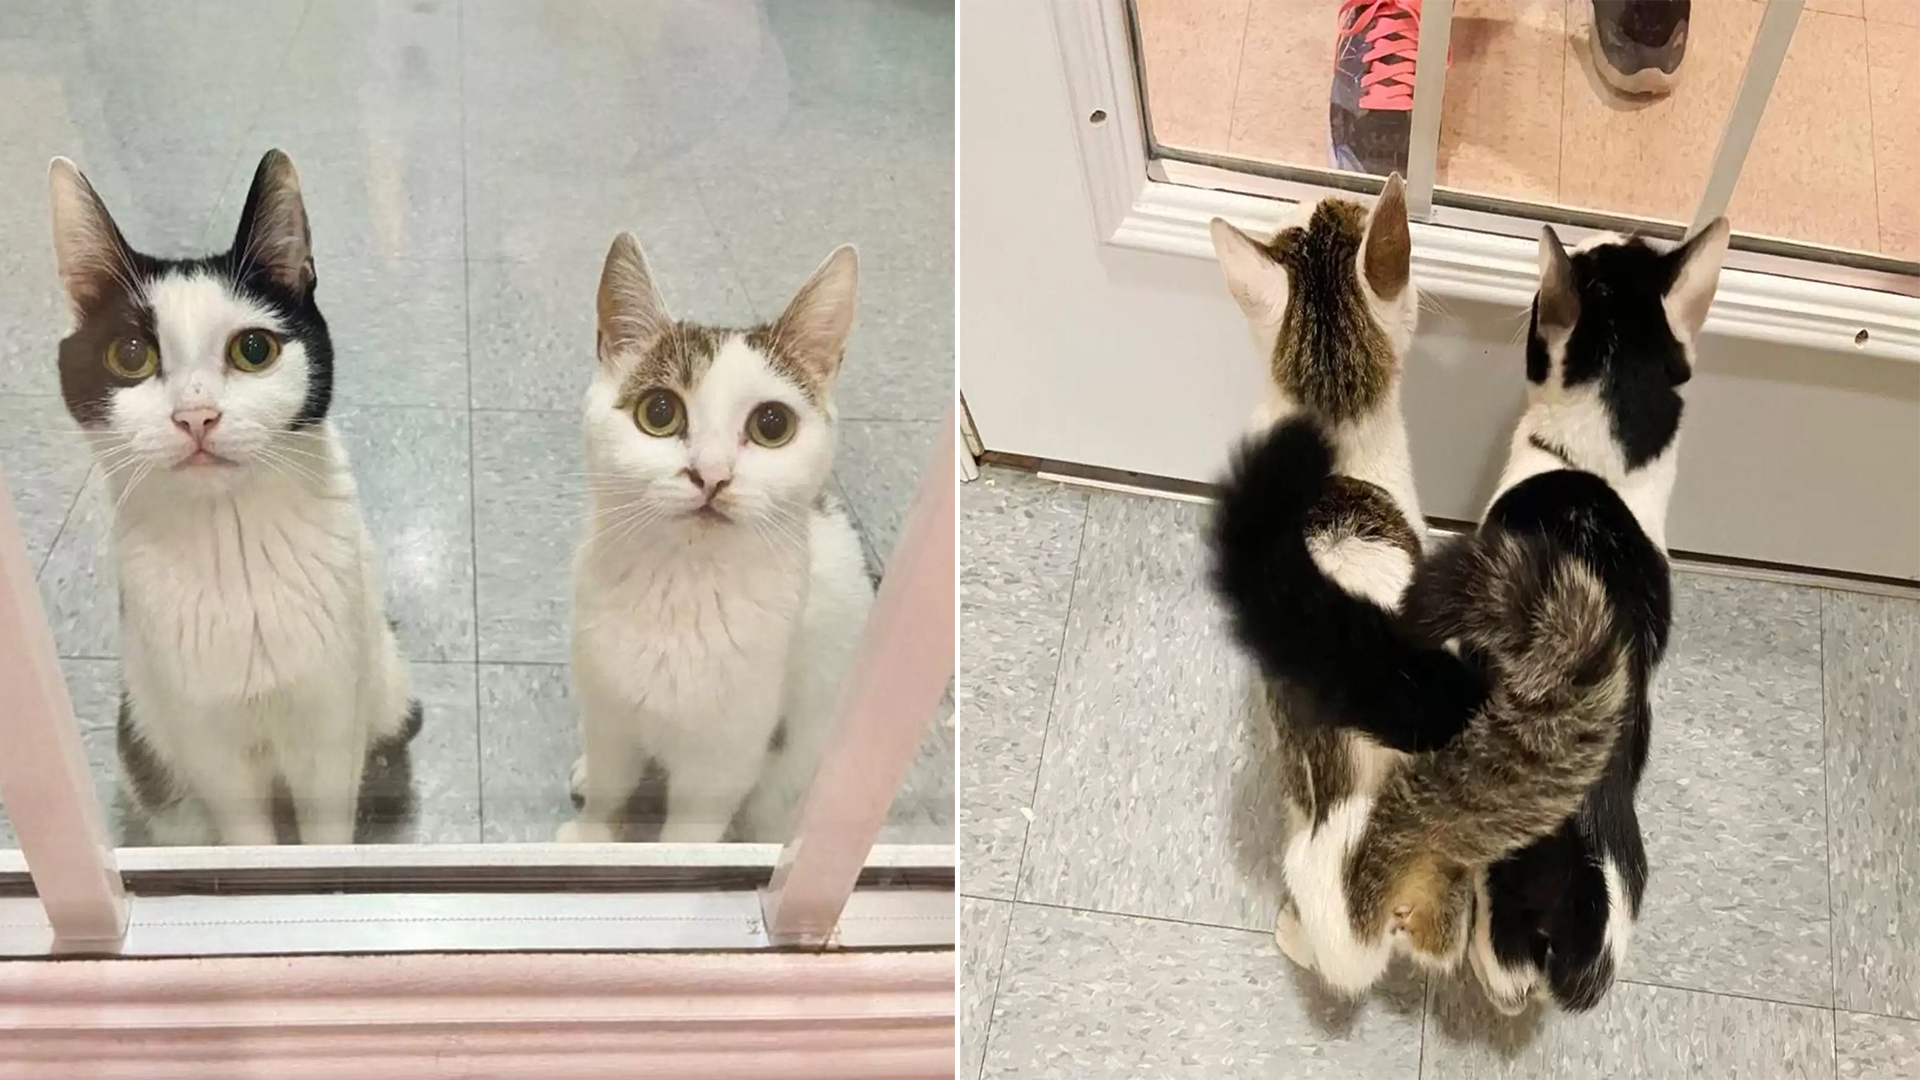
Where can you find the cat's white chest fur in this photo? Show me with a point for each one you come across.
(243, 593)
(684, 633)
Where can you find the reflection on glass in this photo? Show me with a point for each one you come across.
(1602, 105)
(462, 168)
(1320, 84)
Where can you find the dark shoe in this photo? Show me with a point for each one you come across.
(1638, 44)
(1370, 117)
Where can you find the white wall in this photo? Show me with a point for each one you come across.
(1081, 352)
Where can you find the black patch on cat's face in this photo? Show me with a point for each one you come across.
(121, 309)
(1623, 341)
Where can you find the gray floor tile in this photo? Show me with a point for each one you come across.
(1087, 997)
(1876, 1047)
(1732, 804)
(372, 196)
(1157, 794)
(922, 809)
(983, 942)
(35, 316)
(46, 461)
(614, 87)
(878, 465)
(446, 756)
(79, 585)
(1019, 542)
(1636, 1031)
(413, 472)
(528, 519)
(1872, 672)
(533, 322)
(151, 139)
(373, 66)
(399, 331)
(529, 738)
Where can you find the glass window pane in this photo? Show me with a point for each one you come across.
(1836, 161)
(1298, 84)
(462, 170)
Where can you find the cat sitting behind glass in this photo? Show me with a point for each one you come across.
(719, 592)
(258, 663)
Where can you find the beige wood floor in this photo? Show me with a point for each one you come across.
(1836, 161)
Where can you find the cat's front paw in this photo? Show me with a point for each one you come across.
(577, 786)
(585, 832)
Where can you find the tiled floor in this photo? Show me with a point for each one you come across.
(1118, 816)
(1836, 161)
(465, 164)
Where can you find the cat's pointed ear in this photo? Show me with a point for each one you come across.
(1696, 274)
(812, 331)
(1557, 307)
(1257, 282)
(632, 315)
(1388, 248)
(87, 245)
(273, 238)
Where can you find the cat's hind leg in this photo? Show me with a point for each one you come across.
(1509, 987)
(1292, 937)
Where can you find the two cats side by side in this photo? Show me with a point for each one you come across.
(1461, 730)
(718, 591)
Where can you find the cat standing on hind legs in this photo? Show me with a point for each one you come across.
(255, 651)
(719, 592)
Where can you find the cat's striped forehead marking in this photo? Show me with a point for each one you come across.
(1330, 354)
(682, 355)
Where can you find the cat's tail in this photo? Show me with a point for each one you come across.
(1558, 664)
(1354, 656)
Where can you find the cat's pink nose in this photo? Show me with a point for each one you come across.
(197, 423)
(710, 481)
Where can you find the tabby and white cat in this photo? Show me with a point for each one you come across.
(719, 593)
(254, 647)
(1591, 469)
(1405, 769)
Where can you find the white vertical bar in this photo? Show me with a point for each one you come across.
(900, 670)
(43, 770)
(1769, 51)
(1429, 93)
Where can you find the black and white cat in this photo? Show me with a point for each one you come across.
(1591, 468)
(719, 593)
(255, 650)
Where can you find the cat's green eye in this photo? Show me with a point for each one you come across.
(772, 424)
(660, 414)
(132, 358)
(253, 350)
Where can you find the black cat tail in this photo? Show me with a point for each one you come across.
(1348, 653)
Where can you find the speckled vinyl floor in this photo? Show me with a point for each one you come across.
(465, 165)
(1118, 810)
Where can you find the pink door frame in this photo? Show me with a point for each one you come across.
(515, 1016)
